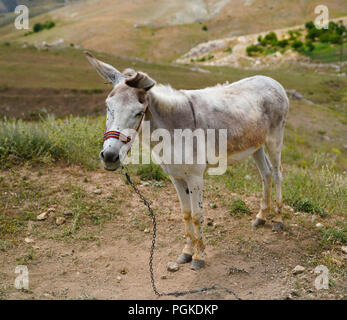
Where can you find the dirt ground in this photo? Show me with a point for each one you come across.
(108, 258)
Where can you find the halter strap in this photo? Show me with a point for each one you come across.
(117, 135)
(120, 136)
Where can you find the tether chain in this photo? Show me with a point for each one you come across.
(125, 171)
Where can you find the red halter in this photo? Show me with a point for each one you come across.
(120, 136)
(117, 135)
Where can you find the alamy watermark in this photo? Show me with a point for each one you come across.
(22, 280)
(322, 20)
(22, 20)
(180, 146)
(322, 281)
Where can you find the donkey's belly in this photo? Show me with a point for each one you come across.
(241, 155)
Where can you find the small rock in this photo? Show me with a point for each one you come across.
(60, 220)
(298, 269)
(51, 209)
(172, 267)
(319, 225)
(344, 249)
(313, 218)
(42, 216)
(212, 205)
(29, 240)
(30, 226)
(68, 213)
(119, 278)
(146, 230)
(123, 271)
(97, 191)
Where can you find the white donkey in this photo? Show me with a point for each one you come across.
(252, 110)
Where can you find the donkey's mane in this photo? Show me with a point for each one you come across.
(167, 98)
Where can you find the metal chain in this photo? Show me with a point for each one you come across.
(125, 171)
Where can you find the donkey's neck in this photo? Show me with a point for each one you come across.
(169, 108)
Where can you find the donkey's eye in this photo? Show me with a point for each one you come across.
(139, 114)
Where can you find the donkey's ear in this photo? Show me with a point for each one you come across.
(140, 80)
(106, 71)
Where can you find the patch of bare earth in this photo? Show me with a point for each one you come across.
(90, 256)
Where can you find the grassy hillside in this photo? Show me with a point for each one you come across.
(51, 165)
(62, 82)
(165, 30)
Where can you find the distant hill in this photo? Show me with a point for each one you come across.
(166, 29)
(36, 7)
(9, 5)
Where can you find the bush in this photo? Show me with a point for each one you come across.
(297, 44)
(309, 45)
(271, 37)
(306, 205)
(204, 28)
(283, 43)
(49, 25)
(151, 172)
(239, 206)
(309, 25)
(335, 235)
(38, 27)
(252, 49)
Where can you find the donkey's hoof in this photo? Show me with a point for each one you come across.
(258, 222)
(184, 258)
(197, 264)
(277, 226)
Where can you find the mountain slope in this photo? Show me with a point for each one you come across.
(164, 30)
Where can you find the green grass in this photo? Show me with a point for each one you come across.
(151, 172)
(74, 140)
(239, 207)
(335, 235)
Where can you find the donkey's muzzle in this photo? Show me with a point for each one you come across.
(109, 156)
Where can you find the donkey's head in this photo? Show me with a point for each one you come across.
(126, 106)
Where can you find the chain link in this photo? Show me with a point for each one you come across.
(125, 171)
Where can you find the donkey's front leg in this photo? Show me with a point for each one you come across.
(195, 186)
(183, 195)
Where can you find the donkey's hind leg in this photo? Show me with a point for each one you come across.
(274, 148)
(183, 195)
(264, 168)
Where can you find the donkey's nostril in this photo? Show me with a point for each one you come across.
(102, 154)
(108, 156)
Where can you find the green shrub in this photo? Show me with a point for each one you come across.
(204, 28)
(239, 207)
(283, 43)
(306, 205)
(49, 25)
(297, 44)
(309, 45)
(335, 235)
(253, 49)
(38, 27)
(150, 172)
